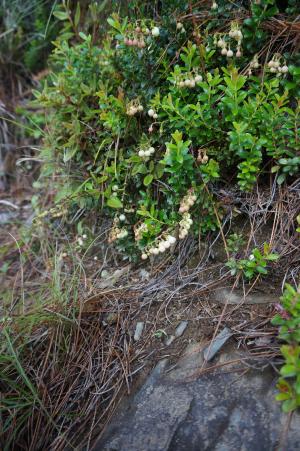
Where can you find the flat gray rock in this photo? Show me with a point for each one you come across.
(223, 410)
(227, 296)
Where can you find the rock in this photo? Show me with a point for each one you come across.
(181, 328)
(170, 340)
(215, 411)
(225, 295)
(178, 332)
(212, 349)
(6, 218)
(138, 331)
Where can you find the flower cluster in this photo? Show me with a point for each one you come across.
(134, 107)
(117, 233)
(152, 113)
(185, 225)
(254, 64)
(235, 34)
(189, 82)
(202, 158)
(137, 38)
(139, 230)
(146, 153)
(140, 43)
(159, 247)
(187, 202)
(180, 27)
(81, 239)
(276, 66)
(115, 190)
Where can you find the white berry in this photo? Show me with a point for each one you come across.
(167, 244)
(155, 31)
(162, 248)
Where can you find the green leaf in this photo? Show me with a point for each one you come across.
(281, 179)
(102, 179)
(77, 15)
(159, 170)
(148, 179)
(69, 153)
(114, 202)
(275, 169)
(289, 405)
(139, 169)
(261, 270)
(282, 396)
(114, 23)
(83, 36)
(144, 213)
(61, 15)
(272, 257)
(288, 370)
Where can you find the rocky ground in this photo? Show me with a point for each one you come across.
(224, 404)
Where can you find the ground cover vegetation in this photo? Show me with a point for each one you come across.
(164, 125)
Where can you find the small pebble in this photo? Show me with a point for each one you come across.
(138, 331)
(170, 340)
(181, 328)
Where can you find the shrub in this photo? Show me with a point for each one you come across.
(146, 126)
(288, 320)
